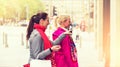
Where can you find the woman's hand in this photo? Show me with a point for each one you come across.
(56, 48)
(67, 32)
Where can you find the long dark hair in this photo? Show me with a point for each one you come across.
(35, 19)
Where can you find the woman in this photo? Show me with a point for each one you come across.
(40, 46)
(66, 56)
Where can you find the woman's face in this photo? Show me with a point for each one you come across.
(67, 23)
(45, 22)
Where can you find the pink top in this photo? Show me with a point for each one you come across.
(67, 55)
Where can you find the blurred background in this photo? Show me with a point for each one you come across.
(95, 26)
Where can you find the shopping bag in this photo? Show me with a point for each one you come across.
(40, 63)
(26, 65)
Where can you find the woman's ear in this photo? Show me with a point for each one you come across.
(41, 21)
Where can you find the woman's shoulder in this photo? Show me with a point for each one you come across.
(35, 33)
(57, 32)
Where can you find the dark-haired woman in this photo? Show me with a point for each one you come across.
(40, 46)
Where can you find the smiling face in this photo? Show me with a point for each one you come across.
(44, 22)
(67, 23)
(64, 21)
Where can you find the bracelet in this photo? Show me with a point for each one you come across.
(51, 50)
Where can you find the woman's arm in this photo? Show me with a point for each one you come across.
(59, 39)
(37, 48)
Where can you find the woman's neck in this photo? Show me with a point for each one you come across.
(64, 28)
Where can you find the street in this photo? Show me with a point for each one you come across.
(16, 53)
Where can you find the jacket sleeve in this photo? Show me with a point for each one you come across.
(58, 40)
(37, 48)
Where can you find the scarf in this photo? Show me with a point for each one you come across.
(41, 30)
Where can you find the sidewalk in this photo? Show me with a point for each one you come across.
(87, 53)
(16, 54)
(13, 57)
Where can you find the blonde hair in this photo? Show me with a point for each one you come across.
(61, 19)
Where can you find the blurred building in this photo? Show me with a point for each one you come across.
(104, 15)
(75, 8)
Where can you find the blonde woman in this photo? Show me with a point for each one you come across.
(67, 55)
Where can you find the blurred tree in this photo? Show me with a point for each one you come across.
(2, 7)
(28, 8)
(19, 9)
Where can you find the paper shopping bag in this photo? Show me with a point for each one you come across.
(40, 63)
